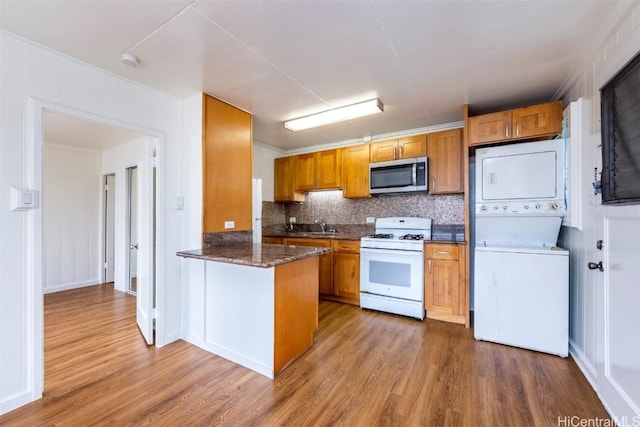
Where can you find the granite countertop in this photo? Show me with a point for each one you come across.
(253, 255)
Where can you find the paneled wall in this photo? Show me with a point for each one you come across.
(71, 220)
(30, 76)
(618, 48)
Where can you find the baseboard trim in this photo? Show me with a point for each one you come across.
(16, 401)
(70, 286)
(584, 366)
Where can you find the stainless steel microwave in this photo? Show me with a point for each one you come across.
(398, 176)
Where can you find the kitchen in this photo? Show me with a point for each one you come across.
(180, 177)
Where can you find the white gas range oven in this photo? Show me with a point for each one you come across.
(392, 266)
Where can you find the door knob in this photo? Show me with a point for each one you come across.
(596, 266)
(134, 246)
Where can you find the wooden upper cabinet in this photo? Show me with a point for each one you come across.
(321, 170)
(355, 171)
(305, 172)
(489, 127)
(521, 123)
(545, 119)
(226, 166)
(445, 162)
(401, 148)
(284, 185)
(329, 169)
(412, 146)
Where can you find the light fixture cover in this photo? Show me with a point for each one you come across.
(129, 59)
(335, 115)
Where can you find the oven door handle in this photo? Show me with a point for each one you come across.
(393, 252)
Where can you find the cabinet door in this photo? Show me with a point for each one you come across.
(538, 120)
(346, 275)
(284, 185)
(226, 166)
(355, 171)
(490, 128)
(326, 261)
(412, 146)
(442, 293)
(272, 240)
(445, 162)
(383, 151)
(329, 169)
(305, 172)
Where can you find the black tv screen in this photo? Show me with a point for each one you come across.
(621, 136)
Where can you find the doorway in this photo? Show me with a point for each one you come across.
(132, 229)
(109, 227)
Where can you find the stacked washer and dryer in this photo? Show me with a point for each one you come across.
(521, 278)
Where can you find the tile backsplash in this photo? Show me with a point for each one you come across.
(332, 208)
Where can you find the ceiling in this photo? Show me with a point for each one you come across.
(83, 134)
(285, 59)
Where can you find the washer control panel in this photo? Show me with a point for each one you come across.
(524, 207)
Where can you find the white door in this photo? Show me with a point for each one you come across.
(145, 241)
(619, 370)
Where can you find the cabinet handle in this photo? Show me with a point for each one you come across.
(401, 151)
(394, 153)
(443, 252)
(506, 130)
(518, 128)
(429, 266)
(433, 185)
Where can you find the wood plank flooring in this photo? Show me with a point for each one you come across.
(366, 368)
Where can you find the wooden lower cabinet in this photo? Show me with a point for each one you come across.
(346, 271)
(325, 285)
(445, 282)
(272, 240)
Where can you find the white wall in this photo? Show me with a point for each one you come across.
(263, 156)
(32, 77)
(71, 214)
(620, 45)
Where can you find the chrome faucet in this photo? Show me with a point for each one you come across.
(322, 224)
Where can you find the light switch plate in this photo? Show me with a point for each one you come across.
(229, 224)
(23, 199)
(370, 220)
(179, 203)
(292, 220)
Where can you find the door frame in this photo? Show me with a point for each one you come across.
(104, 224)
(33, 269)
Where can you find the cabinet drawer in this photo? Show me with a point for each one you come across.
(442, 251)
(346, 246)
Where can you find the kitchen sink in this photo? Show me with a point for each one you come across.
(314, 233)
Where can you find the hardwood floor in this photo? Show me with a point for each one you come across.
(366, 368)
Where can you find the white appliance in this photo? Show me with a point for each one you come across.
(256, 209)
(392, 266)
(521, 278)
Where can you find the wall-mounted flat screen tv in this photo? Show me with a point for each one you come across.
(621, 136)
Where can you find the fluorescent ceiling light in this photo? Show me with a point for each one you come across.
(335, 115)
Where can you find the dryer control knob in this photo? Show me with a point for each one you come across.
(553, 206)
(538, 206)
(526, 207)
(483, 208)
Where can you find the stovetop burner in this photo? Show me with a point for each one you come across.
(381, 236)
(412, 237)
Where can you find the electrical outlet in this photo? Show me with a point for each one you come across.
(292, 220)
(229, 224)
(370, 220)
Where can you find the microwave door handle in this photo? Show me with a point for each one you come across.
(414, 174)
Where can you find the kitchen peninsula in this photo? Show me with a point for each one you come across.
(259, 302)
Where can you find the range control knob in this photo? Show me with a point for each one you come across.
(495, 208)
(483, 208)
(553, 206)
(538, 206)
(526, 207)
(504, 207)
